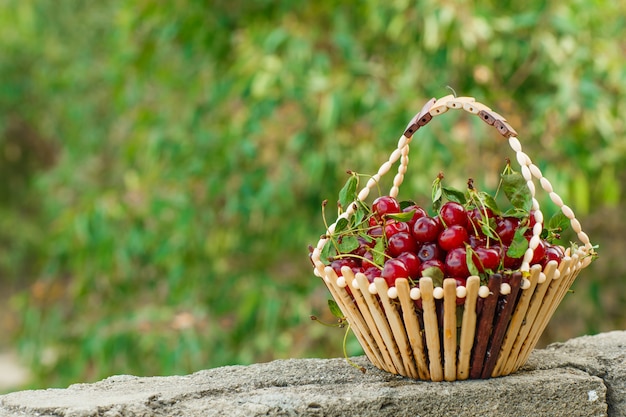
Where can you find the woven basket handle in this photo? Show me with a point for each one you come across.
(529, 170)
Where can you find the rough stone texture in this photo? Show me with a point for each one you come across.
(582, 377)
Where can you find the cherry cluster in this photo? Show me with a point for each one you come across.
(456, 242)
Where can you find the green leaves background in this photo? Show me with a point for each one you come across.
(163, 163)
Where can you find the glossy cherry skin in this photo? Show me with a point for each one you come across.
(401, 242)
(452, 213)
(426, 229)
(392, 270)
(454, 236)
(456, 263)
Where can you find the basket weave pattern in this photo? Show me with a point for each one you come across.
(501, 322)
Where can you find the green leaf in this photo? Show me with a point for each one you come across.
(516, 190)
(401, 217)
(358, 216)
(437, 194)
(406, 203)
(519, 244)
(379, 251)
(453, 194)
(469, 259)
(335, 310)
(558, 222)
(348, 193)
(328, 251)
(488, 201)
(435, 274)
(348, 243)
(489, 227)
(341, 225)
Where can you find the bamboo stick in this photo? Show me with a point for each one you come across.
(378, 326)
(369, 329)
(468, 327)
(397, 328)
(413, 330)
(431, 329)
(449, 329)
(551, 304)
(351, 312)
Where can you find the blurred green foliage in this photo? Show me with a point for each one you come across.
(163, 163)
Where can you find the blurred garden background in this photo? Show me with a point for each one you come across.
(163, 164)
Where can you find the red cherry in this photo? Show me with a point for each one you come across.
(401, 242)
(392, 227)
(375, 231)
(486, 259)
(477, 241)
(392, 270)
(426, 229)
(454, 236)
(453, 213)
(418, 213)
(505, 229)
(385, 205)
(456, 263)
(508, 262)
(412, 263)
(337, 264)
(539, 254)
(368, 260)
(371, 273)
(476, 217)
(553, 253)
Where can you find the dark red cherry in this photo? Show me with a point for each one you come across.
(418, 213)
(385, 205)
(337, 264)
(394, 269)
(454, 236)
(452, 213)
(426, 229)
(428, 251)
(456, 263)
(486, 259)
(392, 227)
(412, 263)
(505, 229)
(401, 242)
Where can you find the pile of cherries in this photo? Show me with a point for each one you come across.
(452, 241)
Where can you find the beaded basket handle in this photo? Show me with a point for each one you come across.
(529, 171)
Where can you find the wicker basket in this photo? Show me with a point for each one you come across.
(500, 324)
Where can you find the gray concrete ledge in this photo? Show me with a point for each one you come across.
(582, 377)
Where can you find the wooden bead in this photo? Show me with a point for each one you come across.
(486, 117)
(546, 184)
(567, 211)
(440, 106)
(515, 144)
(392, 293)
(424, 119)
(556, 199)
(504, 128)
(474, 107)
(415, 293)
(458, 102)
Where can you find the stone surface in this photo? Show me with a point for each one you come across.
(582, 377)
